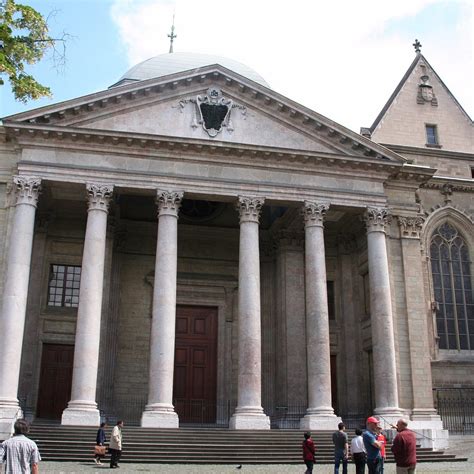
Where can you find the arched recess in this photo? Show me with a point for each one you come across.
(448, 237)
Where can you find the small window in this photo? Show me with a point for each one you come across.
(63, 287)
(431, 135)
(331, 300)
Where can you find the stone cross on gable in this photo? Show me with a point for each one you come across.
(417, 45)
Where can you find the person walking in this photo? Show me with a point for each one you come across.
(341, 448)
(19, 453)
(309, 451)
(358, 452)
(372, 446)
(100, 441)
(383, 442)
(115, 445)
(404, 448)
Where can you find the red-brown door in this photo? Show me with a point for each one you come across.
(195, 367)
(55, 380)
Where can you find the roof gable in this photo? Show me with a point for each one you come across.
(421, 98)
(164, 107)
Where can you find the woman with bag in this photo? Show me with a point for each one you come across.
(100, 440)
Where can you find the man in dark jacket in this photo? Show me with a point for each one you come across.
(404, 449)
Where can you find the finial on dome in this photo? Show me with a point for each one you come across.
(172, 36)
(417, 45)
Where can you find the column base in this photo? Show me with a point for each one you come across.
(81, 414)
(319, 422)
(159, 416)
(10, 411)
(389, 415)
(249, 418)
(429, 429)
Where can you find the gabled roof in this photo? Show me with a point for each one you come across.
(419, 57)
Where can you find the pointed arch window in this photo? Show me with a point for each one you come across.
(452, 284)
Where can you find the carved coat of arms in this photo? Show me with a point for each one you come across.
(213, 111)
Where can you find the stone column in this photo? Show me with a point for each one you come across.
(319, 414)
(424, 415)
(383, 340)
(15, 293)
(249, 412)
(82, 408)
(159, 412)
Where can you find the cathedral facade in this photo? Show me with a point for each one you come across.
(191, 247)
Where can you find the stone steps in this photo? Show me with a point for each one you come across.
(195, 446)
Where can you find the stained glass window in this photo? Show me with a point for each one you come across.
(452, 284)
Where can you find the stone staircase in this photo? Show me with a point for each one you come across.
(195, 445)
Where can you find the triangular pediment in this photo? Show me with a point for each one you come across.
(420, 99)
(169, 107)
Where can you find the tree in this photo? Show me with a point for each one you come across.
(25, 39)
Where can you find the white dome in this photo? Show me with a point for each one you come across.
(171, 63)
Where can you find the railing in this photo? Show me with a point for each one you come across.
(456, 408)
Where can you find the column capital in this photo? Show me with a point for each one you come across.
(28, 189)
(168, 202)
(410, 226)
(98, 196)
(249, 208)
(376, 218)
(314, 212)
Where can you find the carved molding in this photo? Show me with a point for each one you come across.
(99, 196)
(410, 227)
(377, 218)
(314, 212)
(28, 189)
(168, 202)
(249, 208)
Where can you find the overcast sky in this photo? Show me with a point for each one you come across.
(340, 58)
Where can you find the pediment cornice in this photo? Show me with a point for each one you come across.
(138, 144)
(112, 100)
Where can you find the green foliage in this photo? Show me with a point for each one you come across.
(24, 39)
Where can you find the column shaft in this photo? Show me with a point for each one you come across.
(320, 414)
(159, 411)
(12, 318)
(82, 409)
(249, 412)
(383, 340)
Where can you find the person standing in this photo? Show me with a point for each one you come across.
(358, 452)
(404, 448)
(19, 453)
(383, 442)
(309, 451)
(372, 446)
(341, 448)
(115, 445)
(100, 441)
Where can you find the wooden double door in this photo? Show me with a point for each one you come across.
(55, 380)
(195, 366)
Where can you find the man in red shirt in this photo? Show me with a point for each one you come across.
(383, 442)
(308, 452)
(404, 449)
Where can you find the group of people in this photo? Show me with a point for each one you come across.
(21, 455)
(115, 444)
(367, 448)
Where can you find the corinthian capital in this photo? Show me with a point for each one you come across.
(410, 227)
(98, 196)
(376, 218)
(314, 212)
(249, 208)
(168, 202)
(28, 189)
